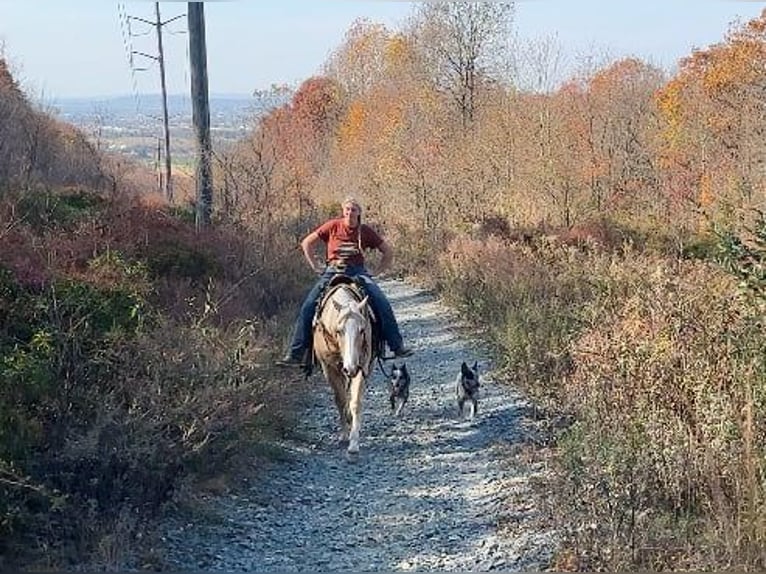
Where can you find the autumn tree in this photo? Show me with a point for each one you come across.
(387, 140)
(360, 67)
(359, 63)
(537, 65)
(460, 42)
(15, 119)
(273, 173)
(36, 147)
(247, 174)
(714, 118)
(619, 125)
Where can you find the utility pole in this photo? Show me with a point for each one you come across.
(166, 183)
(200, 111)
(168, 172)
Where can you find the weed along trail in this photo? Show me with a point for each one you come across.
(430, 491)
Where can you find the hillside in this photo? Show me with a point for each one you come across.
(129, 342)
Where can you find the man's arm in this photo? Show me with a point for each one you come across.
(309, 245)
(386, 259)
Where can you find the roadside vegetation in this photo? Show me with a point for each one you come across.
(134, 351)
(607, 235)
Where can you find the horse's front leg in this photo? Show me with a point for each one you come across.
(338, 385)
(356, 394)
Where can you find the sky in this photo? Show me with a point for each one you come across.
(80, 48)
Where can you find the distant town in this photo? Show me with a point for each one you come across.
(133, 125)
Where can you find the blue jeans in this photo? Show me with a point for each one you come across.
(378, 301)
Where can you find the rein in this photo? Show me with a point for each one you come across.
(383, 369)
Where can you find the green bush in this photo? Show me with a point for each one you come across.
(44, 209)
(174, 259)
(744, 256)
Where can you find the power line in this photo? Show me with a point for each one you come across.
(166, 185)
(128, 45)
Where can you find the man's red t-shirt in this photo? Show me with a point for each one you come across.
(343, 242)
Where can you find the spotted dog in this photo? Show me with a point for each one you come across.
(399, 385)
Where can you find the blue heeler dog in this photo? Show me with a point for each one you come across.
(399, 384)
(467, 388)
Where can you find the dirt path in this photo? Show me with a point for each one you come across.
(429, 492)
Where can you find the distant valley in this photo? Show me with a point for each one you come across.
(133, 125)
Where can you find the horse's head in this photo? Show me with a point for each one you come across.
(353, 332)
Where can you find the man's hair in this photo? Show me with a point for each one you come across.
(352, 201)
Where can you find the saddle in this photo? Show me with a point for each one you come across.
(359, 292)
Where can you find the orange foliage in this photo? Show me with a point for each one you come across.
(712, 115)
(351, 130)
(295, 139)
(316, 105)
(621, 76)
(733, 65)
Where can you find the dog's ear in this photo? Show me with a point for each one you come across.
(476, 366)
(404, 368)
(464, 369)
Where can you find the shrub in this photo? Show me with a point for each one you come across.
(529, 298)
(670, 398)
(172, 258)
(44, 208)
(744, 256)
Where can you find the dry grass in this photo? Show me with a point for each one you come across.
(135, 359)
(661, 363)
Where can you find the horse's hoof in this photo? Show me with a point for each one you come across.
(352, 456)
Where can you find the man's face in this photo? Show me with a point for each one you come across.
(351, 214)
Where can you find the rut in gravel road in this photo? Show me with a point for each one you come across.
(430, 491)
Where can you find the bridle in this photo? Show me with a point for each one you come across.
(354, 315)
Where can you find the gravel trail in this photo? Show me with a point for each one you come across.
(430, 491)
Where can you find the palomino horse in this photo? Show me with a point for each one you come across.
(343, 348)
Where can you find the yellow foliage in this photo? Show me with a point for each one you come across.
(669, 104)
(351, 130)
(734, 65)
(396, 53)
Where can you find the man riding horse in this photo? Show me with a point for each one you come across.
(346, 238)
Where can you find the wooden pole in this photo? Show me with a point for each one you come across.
(200, 112)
